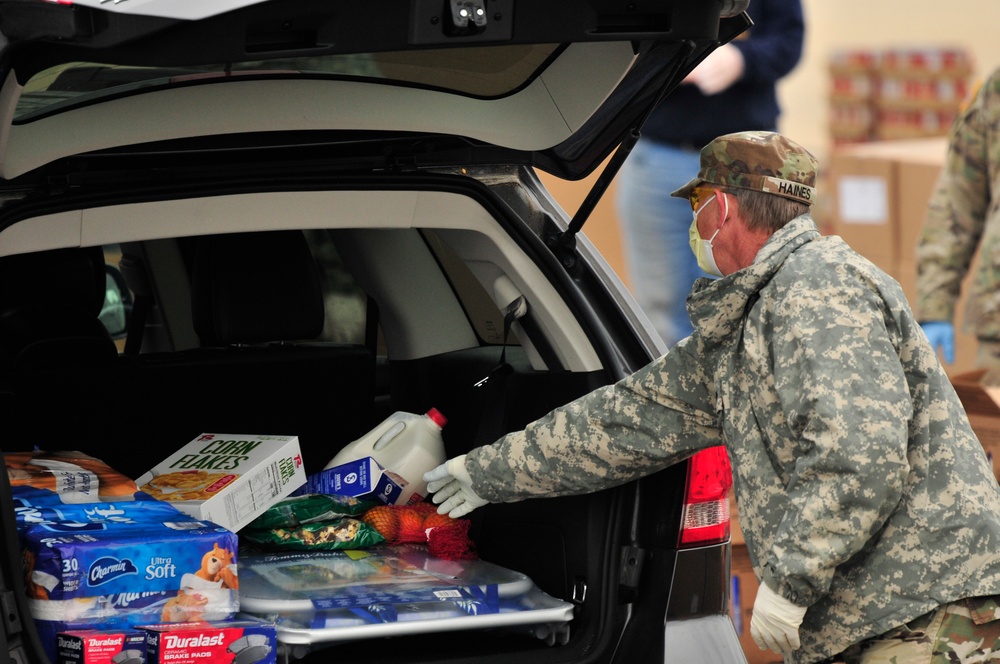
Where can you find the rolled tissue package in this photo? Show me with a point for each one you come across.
(70, 477)
(116, 565)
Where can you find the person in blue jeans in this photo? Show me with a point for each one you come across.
(731, 90)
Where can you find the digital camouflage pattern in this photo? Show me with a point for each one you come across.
(964, 215)
(963, 632)
(759, 161)
(863, 493)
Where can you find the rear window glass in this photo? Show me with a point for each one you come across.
(345, 304)
(482, 71)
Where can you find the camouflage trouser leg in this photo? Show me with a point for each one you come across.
(963, 632)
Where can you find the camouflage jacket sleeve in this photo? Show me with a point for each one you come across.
(846, 406)
(646, 422)
(957, 211)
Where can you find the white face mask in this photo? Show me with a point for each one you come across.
(702, 249)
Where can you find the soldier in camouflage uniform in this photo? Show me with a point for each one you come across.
(964, 217)
(871, 515)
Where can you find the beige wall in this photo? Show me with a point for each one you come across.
(839, 24)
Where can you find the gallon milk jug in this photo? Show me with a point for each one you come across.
(406, 444)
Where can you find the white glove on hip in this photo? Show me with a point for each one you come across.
(775, 622)
(451, 485)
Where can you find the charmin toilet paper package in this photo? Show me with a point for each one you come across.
(103, 549)
(38, 506)
(118, 565)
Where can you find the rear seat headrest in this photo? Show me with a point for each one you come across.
(71, 276)
(252, 288)
(50, 303)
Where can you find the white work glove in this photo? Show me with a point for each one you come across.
(775, 622)
(723, 67)
(451, 485)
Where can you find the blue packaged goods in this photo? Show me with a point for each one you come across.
(117, 565)
(92, 646)
(363, 478)
(328, 597)
(102, 549)
(247, 641)
(37, 506)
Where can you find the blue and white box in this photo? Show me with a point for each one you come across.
(363, 478)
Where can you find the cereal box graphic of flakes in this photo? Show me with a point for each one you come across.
(228, 479)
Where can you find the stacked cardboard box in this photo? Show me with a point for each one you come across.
(920, 91)
(878, 194)
(852, 95)
(981, 399)
(896, 93)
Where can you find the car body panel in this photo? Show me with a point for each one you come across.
(425, 198)
(544, 113)
(564, 113)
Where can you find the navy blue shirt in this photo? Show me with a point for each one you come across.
(771, 48)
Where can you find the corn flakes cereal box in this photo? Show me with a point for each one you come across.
(228, 479)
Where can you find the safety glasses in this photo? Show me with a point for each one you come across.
(699, 195)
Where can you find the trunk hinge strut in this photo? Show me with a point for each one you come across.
(563, 244)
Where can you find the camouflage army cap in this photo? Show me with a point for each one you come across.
(759, 161)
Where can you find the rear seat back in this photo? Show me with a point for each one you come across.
(255, 288)
(58, 365)
(257, 306)
(50, 304)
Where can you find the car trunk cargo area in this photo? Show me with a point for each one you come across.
(238, 339)
(561, 544)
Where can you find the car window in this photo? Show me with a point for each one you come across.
(344, 301)
(484, 72)
(117, 297)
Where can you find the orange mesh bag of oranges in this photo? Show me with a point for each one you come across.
(420, 523)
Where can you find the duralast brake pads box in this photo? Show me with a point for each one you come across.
(233, 642)
(226, 478)
(91, 646)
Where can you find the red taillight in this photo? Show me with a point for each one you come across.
(706, 499)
